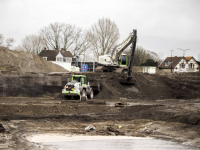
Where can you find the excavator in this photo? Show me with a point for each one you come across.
(119, 62)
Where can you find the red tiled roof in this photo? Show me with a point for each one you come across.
(188, 58)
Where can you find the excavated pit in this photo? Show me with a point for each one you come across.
(159, 106)
(184, 86)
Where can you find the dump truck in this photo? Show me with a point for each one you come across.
(77, 87)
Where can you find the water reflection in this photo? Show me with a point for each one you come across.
(63, 142)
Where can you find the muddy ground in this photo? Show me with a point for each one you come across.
(159, 106)
(173, 119)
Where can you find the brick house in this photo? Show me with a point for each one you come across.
(178, 64)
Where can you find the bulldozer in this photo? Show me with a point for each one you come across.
(119, 62)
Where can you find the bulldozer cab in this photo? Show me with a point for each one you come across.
(79, 78)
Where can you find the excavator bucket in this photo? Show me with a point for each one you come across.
(125, 79)
(128, 81)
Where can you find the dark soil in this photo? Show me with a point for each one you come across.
(156, 118)
(159, 106)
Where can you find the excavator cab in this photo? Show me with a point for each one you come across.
(123, 60)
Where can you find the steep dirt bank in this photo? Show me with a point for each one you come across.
(31, 84)
(185, 86)
(26, 62)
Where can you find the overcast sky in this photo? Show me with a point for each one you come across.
(162, 25)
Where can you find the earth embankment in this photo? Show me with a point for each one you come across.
(181, 86)
(26, 62)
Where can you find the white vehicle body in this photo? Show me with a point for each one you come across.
(114, 58)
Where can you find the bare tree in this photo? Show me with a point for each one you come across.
(103, 36)
(156, 57)
(60, 35)
(141, 55)
(71, 34)
(32, 44)
(81, 44)
(8, 42)
(1, 39)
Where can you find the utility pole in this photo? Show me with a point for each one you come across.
(183, 51)
(171, 59)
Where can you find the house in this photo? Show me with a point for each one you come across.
(56, 55)
(178, 64)
(61, 57)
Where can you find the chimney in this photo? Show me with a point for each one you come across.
(57, 49)
(63, 49)
(45, 48)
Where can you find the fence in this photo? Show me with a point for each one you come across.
(91, 65)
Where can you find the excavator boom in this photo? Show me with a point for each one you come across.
(118, 62)
(126, 74)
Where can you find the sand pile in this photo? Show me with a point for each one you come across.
(26, 62)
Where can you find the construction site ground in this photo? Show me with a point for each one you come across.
(163, 106)
(172, 119)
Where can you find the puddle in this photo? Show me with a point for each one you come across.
(65, 142)
(133, 89)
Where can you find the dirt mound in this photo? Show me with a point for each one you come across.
(2, 129)
(25, 62)
(149, 86)
(184, 85)
(153, 87)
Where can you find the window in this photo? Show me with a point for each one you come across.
(45, 58)
(59, 59)
(182, 65)
(191, 65)
(167, 63)
(78, 79)
(67, 59)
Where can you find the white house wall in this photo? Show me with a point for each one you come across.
(187, 65)
(195, 64)
(65, 65)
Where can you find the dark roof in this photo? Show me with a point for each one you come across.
(175, 61)
(66, 53)
(51, 54)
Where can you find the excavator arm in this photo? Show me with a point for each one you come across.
(126, 74)
(133, 47)
(117, 51)
(112, 63)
